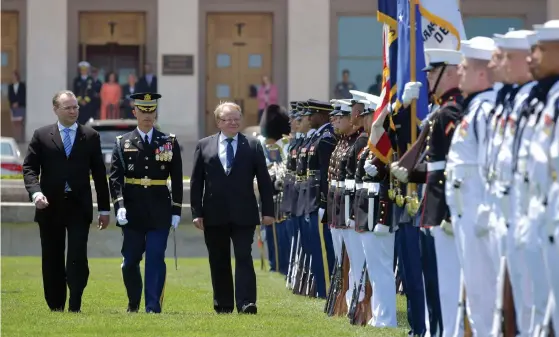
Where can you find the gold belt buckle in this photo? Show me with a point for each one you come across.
(145, 182)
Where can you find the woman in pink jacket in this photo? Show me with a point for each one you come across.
(267, 95)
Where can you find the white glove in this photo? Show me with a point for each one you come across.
(399, 172)
(350, 223)
(482, 220)
(321, 212)
(522, 231)
(349, 184)
(121, 216)
(447, 228)
(370, 168)
(381, 230)
(175, 221)
(411, 92)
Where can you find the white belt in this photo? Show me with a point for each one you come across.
(333, 183)
(341, 183)
(359, 186)
(436, 166)
(368, 185)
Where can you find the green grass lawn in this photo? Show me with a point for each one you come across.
(187, 308)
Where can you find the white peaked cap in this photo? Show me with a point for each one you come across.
(374, 101)
(514, 39)
(549, 31)
(435, 56)
(479, 47)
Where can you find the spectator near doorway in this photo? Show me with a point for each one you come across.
(148, 82)
(127, 103)
(376, 87)
(342, 89)
(110, 97)
(267, 95)
(17, 95)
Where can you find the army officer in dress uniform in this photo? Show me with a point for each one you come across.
(142, 162)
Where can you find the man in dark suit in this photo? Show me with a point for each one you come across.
(63, 155)
(224, 206)
(145, 210)
(148, 82)
(17, 92)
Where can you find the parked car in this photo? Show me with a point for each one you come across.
(108, 130)
(10, 157)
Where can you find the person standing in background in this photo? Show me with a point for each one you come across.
(267, 95)
(110, 98)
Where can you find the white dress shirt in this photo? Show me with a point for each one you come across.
(143, 135)
(73, 130)
(222, 150)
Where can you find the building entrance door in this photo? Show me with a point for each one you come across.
(113, 42)
(239, 53)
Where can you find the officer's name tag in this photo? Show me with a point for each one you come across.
(130, 150)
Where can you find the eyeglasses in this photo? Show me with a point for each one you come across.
(68, 108)
(231, 121)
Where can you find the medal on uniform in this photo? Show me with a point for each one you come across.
(126, 144)
(157, 154)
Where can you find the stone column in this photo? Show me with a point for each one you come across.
(47, 60)
(552, 9)
(308, 48)
(179, 113)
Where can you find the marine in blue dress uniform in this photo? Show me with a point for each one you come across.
(145, 209)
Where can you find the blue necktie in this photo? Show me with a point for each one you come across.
(67, 148)
(230, 154)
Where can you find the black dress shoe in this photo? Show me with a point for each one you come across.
(249, 308)
(223, 310)
(133, 308)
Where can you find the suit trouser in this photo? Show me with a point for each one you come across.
(409, 258)
(57, 273)
(431, 279)
(379, 253)
(448, 280)
(153, 243)
(218, 241)
(322, 251)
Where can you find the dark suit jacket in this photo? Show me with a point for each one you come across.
(46, 158)
(229, 199)
(142, 84)
(18, 97)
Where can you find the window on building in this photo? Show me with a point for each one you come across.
(487, 26)
(359, 49)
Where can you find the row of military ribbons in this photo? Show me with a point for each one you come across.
(336, 258)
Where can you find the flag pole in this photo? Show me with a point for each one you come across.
(413, 78)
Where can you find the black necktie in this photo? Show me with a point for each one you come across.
(146, 140)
